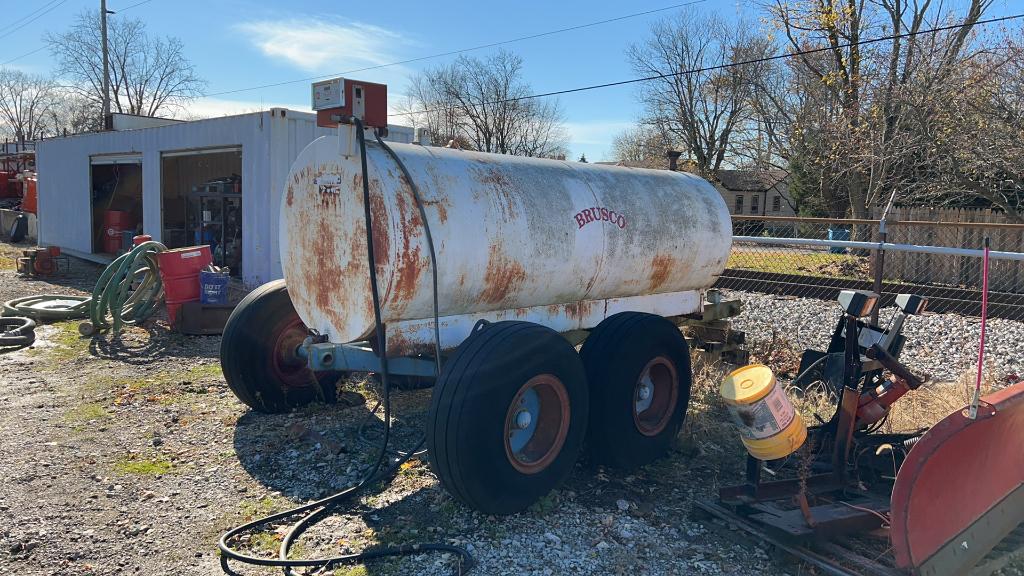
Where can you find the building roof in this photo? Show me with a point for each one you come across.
(750, 180)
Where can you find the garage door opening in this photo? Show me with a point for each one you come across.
(202, 202)
(116, 184)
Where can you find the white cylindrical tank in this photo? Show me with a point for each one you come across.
(509, 233)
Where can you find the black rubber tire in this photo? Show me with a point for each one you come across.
(19, 228)
(247, 354)
(465, 425)
(614, 355)
(17, 331)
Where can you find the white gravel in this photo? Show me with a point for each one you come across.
(943, 346)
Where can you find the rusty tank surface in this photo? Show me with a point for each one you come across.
(563, 244)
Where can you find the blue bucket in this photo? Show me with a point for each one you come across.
(213, 287)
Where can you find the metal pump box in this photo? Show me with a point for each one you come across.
(338, 97)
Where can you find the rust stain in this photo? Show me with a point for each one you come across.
(661, 268)
(502, 277)
(579, 310)
(441, 207)
(323, 265)
(381, 238)
(291, 194)
(410, 264)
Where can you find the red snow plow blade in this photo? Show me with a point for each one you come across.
(960, 491)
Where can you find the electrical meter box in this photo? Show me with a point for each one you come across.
(339, 98)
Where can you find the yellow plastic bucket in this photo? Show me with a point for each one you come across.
(768, 423)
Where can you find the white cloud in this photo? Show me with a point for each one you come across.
(315, 43)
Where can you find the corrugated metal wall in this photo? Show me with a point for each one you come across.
(270, 142)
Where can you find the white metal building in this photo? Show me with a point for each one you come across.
(216, 181)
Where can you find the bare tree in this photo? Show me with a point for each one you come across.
(73, 113)
(26, 102)
(697, 99)
(149, 74)
(872, 103)
(976, 154)
(641, 145)
(485, 105)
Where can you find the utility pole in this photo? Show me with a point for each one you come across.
(106, 60)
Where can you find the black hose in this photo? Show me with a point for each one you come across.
(327, 505)
(430, 245)
(16, 333)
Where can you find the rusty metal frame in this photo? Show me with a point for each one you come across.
(359, 357)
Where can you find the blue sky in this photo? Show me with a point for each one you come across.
(240, 43)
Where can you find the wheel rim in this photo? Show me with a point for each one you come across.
(291, 369)
(655, 395)
(536, 424)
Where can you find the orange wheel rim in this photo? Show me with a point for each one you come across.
(655, 395)
(536, 424)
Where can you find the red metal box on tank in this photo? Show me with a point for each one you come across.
(340, 97)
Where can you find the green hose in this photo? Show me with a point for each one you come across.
(48, 307)
(113, 302)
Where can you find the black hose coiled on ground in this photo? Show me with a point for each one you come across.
(16, 333)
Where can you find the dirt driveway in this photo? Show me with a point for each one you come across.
(129, 455)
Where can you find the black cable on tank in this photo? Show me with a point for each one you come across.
(430, 245)
(327, 505)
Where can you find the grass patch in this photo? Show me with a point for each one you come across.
(357, 570)
(201, 372)
(65, 344)
(145, 467)
(264, 542)
(8, 263)
(252, 509)
(800, 263)
(86, 413)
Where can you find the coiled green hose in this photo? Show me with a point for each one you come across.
(113, 302)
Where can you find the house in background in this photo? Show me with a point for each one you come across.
(746, 192)
(755, 192)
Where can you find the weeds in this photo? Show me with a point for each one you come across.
(86, 413)
(146, 467)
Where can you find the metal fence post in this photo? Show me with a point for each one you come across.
(878, 269)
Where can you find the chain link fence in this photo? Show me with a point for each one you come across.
(816, 258)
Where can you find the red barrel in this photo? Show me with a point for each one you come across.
(31, 198)
(115, 222)
(179, 271)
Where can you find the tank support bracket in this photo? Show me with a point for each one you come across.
(328, 356)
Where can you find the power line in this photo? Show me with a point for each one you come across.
(18, 26)
(30, 14)
(40, 49)
(136, 5)
(730, 65)
(453, 52)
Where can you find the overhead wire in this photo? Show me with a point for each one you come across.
(41, 48)
(136, 5)
(699, 70)
(39, 13)
(16, 58)
(459, 51)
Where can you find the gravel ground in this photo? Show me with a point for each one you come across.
(943, 346)
(130, 456)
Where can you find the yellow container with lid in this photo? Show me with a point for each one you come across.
(767, 421)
